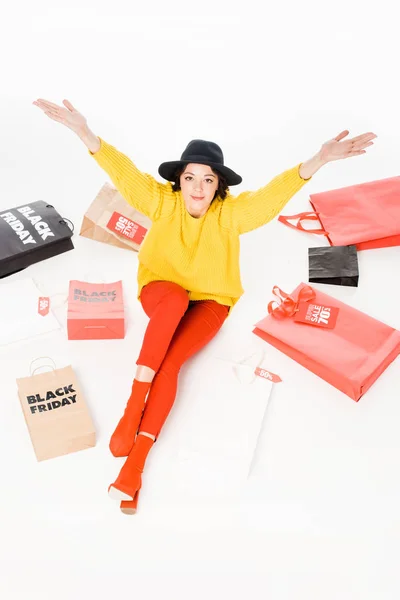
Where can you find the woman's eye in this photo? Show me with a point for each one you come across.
(188, 178)
(209, 180)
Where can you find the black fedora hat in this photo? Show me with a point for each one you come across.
(204, 153)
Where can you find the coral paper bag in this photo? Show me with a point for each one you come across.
(351, 356)
(366, 215)
(95, 311)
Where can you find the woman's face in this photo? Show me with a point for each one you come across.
(198, 184)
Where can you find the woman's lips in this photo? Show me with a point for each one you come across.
(198, 198)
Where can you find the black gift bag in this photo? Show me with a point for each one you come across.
(333, 265)
(31, 233)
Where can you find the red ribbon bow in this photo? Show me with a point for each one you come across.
(286, 306)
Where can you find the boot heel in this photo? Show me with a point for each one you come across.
(116, 494)
(129, 507)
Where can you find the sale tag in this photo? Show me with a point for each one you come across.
(317, 314)
(267, 375)
(126, 228)
(43, 306)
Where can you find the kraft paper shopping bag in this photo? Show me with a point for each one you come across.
(110, 219)
(56, 413)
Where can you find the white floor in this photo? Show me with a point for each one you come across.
(314, 512)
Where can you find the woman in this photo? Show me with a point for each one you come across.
(188, 273)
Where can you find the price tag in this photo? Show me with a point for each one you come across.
(317, 315)
(43, 305)
(267, 375)
(126, 228)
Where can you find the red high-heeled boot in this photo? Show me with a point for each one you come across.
(123, 438)
(129, 480)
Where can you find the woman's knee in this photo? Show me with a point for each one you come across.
(164, 294)
(177, 298)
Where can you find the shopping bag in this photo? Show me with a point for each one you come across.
(95, 311)
(31, 233)
(333, 265)
(351, 356)
(55, 412)
(211, 436)
(110, 219)
(366, 215)
(19, 312)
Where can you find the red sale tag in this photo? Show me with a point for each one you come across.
(43, 306)
(126, 228)
(267, 375)
(317, 314)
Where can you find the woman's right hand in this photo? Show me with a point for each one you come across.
(71, 118)
(67, 116)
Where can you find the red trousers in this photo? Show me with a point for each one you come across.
(177, 329)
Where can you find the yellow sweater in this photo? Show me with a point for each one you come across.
(199, 254)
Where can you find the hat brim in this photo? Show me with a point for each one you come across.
(167, 170)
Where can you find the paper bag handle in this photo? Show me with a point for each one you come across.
(66, 221)
(31, 373)
(308, 216)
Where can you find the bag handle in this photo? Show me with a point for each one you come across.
(308, 216)
(31, 373)
(65, 221)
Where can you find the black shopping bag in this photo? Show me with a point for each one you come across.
(31, 233)
(333, 265)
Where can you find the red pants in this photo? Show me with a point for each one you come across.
(177, 329)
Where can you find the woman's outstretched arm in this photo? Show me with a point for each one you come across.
(140, 189)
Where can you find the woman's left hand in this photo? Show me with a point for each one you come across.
(338, 148)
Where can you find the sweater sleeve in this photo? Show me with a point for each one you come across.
(251, 210)
(139, 189)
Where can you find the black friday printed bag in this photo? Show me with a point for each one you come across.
(31, 233)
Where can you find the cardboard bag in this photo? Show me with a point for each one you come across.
(95, 311)
(110, 219)
(56, 413)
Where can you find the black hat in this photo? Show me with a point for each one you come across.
(204, 153)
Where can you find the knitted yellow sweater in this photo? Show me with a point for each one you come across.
(199, 254)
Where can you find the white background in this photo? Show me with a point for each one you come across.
(318, 517)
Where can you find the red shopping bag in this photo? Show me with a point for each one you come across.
(366, 215)
(351, 356)
(95, 311)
